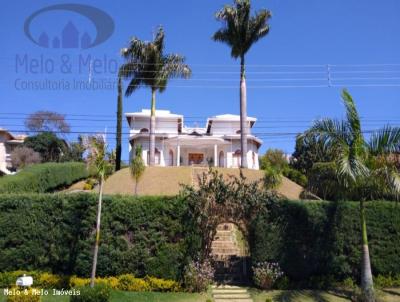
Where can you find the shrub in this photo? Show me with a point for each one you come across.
(43, 177)
(142, 236)
(265, 274)
(161, 285)
(24, 295)
(40, 279)
(313, 239)
(99, 293)
(23, 156)
(198, 276)
(128, 282)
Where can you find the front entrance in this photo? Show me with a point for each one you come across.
(196, 158)
(230, 252)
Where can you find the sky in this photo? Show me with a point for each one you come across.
(295, 75)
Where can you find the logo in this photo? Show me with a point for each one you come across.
(70, 36)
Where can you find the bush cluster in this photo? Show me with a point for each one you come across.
(43, 177)
(41, 279)
(317, 243)
(54, 232)
(99, 293)
(128, 282)
(24, 295)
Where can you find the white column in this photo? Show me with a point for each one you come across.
(178, 155)
(215, 156)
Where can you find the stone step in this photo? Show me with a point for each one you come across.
(234, 300)
(229, 291)
(231, 296)
(225, 286)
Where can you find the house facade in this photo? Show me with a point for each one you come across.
(8, 142)
(217, 144)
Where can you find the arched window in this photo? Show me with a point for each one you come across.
(236, 159)
(171, 157)
(144, 130)
(221, 159)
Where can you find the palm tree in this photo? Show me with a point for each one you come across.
(137, 166)
(240, 31)
(96, 160)
(147, 66)
(118, 148)
(356, 164)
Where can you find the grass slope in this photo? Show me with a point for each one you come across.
(167, 180)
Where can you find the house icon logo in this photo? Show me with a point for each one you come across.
(70, 36)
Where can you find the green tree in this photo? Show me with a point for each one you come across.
(147, 66)
(274, 158)
(240, 31)
(309, 150)
(118, 148)
(137, 166)
(97, 160)
(354, 169)
(48, 145)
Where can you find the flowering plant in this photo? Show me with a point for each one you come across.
(198, 276)
(266, 274)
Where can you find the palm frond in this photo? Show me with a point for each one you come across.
(385, 141)
(350, 167)
(96, 148)
(353, 119)
(330, 132)
(259, 27)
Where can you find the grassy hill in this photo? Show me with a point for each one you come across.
(168, 180)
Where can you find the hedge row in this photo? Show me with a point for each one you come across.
(126, 282)
(317, 241)
(42, 178)
(54, 232)
(152, 236)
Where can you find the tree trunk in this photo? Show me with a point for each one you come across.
(367, 285)
(96, 244)
(118, 148)
(152, 144)
(136, 186)
(243, 115)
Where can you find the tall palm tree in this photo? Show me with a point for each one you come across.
(97, 160)
(147, 66)
(354, 168)
(240, 31)
(118, 148)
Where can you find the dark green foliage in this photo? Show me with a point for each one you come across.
(118, 145)
(323, 181)
(99, 293)
(318, 242)
(314, 242)
(55, 233)
(48, 145)
(309, 150)
(43, 177)
(274, 162)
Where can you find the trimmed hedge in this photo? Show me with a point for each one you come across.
(54, 232)
(42, 178)
(317, 242)
(314, 242)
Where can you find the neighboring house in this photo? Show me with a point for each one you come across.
(217, 144)
(8, 143)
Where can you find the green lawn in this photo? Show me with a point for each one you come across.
(386, 295)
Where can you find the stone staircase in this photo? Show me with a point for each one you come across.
(230, 293)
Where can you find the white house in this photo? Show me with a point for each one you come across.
(8, 143)
(217, 144)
